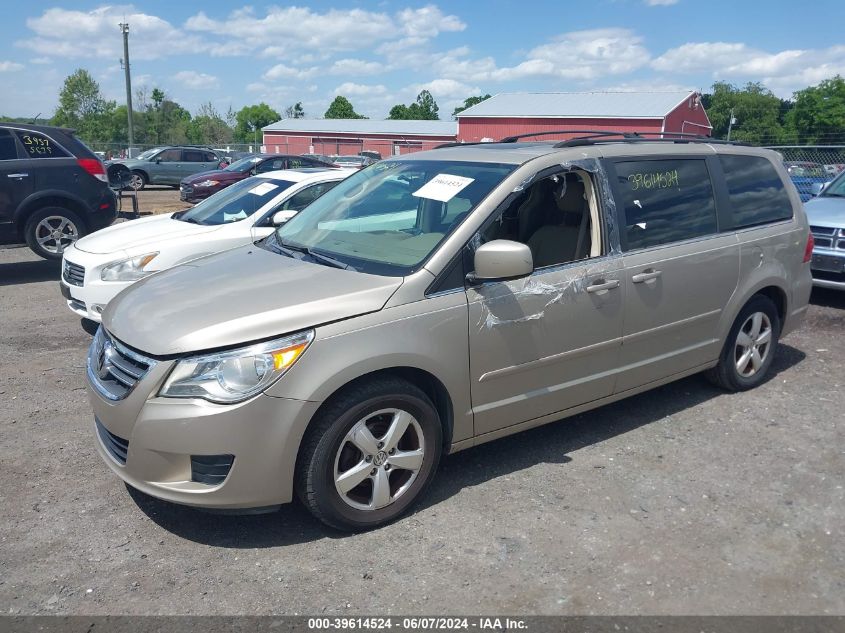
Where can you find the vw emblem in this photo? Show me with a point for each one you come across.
(380, 458)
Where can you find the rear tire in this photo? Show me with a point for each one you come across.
(138, 180)
(49, 231)
(369, 455)
(750, 347)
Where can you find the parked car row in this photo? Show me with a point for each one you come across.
(826, 213)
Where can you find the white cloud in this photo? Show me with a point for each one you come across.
(6, 66)
(350, 67)
(428, 22)
(281, 71)
(782, 72)
(41, 60)
(446, 89)
(58, 33)
(581, 55)
(353, 89)
(196, 80)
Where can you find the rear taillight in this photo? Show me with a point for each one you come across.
(94, 167)
(808, 250)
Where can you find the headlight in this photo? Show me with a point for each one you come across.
(236, 375)
(207, 183)
(131, 269)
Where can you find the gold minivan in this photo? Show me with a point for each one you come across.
(438, 300)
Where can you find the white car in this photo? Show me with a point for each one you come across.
(100, 265)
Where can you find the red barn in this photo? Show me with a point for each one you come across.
(351, 136)
(514, 113)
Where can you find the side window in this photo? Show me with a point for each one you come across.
(301, 199)
(755, 190)
(170, 156)
(8, 150)
(39, 146)
(665, 201)
(270, 165)
(193, 156)
(554, 217)
(210, 157)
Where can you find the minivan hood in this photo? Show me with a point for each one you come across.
(236, 297)
(132, 234)
(826, 211)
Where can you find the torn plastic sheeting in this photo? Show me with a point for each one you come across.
(504, 297)
(594, 167)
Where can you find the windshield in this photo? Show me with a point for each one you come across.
(836, 189)
(234, 203)
(149, 153)
(388, 218)
(244, 164)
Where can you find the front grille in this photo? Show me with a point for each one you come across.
(211, 469)
(113, 369)
(116, 446)
(827, 237)
(73, 273)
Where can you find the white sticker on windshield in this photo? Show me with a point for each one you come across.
(264, 187)
(234, 217)
(443, 187)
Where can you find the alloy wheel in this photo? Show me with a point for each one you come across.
(379, 459)
(55, 233)
(753, 344)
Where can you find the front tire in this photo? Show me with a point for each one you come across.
(370, 454)
(750, 347)
(49, 231)
(138, 180)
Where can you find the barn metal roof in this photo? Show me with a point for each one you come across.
(615, 105)
(366, 126)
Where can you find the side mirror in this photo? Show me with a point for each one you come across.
(817, 187)
(158, 161)
(280, 217)
(501, 260)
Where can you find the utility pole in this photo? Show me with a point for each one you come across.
(124, 28)
(731, 124)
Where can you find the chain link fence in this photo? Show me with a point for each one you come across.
(811, 165)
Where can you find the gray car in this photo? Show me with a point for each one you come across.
(439, 300)
(169, 165)
(826, 214)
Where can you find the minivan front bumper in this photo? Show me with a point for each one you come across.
(154, 443)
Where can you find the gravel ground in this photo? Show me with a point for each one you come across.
(157, 199)
(684, 500)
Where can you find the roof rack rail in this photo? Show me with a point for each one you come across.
(459, 144)
(591, 137)
(516, 137)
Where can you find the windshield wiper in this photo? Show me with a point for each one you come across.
(325, 259)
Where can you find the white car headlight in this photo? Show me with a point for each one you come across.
(131, 269)
(235, 375)
(207, 183)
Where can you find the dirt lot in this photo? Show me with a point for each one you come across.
(685, 500)
(157, 199)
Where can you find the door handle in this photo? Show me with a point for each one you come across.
(600, 284)
(16, 175)
(646, 275)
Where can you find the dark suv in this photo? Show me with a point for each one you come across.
(53, 189)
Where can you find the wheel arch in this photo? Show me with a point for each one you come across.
(48, 198)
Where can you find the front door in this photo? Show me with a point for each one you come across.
(16, 180)
(549, 342)
(168, 167)
(680, 271)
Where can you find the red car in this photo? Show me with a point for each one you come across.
(199, 186)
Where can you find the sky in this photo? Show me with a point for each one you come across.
(378, 54)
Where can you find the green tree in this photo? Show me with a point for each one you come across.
(818, 113)
(82, 107)
(468, 103)
(756, 110)
(207, 126)
(341, 108)
(424, 108)
(250, 119)
(295, 111)
(166, 121)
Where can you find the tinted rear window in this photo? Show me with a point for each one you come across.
(38, 145)
(756, 191)
(666, 201)
(8, 151)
